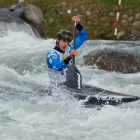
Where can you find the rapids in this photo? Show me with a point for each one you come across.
(27, 113)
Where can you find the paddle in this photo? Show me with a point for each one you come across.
(73, 78)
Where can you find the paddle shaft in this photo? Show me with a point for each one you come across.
(74, 35)
(73, 78)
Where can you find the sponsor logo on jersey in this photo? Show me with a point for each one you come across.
(64, 56)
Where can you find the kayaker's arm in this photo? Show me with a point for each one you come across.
(82, 34)
(82, 37)
(54, 62)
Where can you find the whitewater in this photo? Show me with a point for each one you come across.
(28, 113)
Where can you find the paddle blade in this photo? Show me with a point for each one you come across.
(74, 78)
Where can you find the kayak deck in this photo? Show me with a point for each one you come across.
(98, 96)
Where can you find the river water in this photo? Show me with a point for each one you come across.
(27, 113)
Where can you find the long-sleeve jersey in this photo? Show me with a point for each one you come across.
(56, 60)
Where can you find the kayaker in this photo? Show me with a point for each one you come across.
(59, 58)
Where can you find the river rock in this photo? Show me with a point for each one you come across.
(125, 16)
(134, 32)
(123, 62)
(120, 34)
(131, 19)
(21, 1)
(136, 29)
(137, 16)
(34, 16)
(124, 23)
(24, 13)
(11, 14)
(110, 36)
(75, 10)
(137, 25)
(103, 19)
(88, 13)
(64, 4)
(111, 14)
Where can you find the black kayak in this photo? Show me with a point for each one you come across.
(98, 96)
(90, 94)
(93, 95)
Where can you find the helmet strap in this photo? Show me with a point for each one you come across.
(57, 43)
(57, 46)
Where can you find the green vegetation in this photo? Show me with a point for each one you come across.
(7, 2)
(56, 16)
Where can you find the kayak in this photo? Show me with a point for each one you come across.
(89, 94)
(97, 96)
(93, 95)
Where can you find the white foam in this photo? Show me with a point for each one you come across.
(26, 113)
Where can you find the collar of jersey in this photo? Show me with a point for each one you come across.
(58, 49)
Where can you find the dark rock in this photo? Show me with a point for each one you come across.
(103, 35)
(113, 61)
(8, 15)
(24, 13)
(110, 36)
(13, 7)
(126, 38)
(106, 37)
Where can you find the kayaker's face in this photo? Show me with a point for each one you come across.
(63, 44)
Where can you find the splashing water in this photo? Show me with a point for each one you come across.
(28, 114)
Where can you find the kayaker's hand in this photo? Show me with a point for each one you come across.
(75, 18)
(73, 52)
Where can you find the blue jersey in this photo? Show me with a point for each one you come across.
(55, 59)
